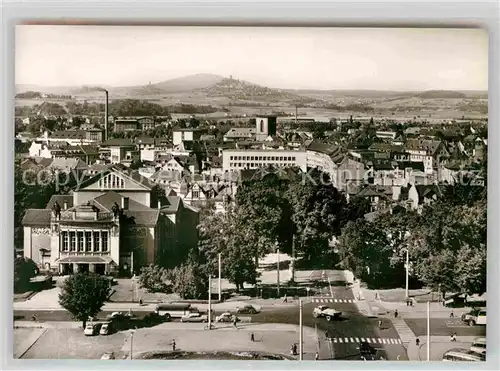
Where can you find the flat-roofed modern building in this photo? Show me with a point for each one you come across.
(256, 158)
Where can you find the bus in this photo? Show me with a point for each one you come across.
(463, 355)
(174, 310)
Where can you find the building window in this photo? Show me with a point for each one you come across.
(88, 241)
(104, 241)
(196, 193)
(81, 246)
(72, 237)
(293, 158)
(261, 126)
(65, 241)
(231, 158)
(97, 246)
(281, 158)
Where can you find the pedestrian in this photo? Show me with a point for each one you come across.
(417, 342)
(396, 313)
(235, 320)
(411, 303)
(379, 323)
(252, 337)
(454, 337)
(452, 315)
(292, 351)
(398, 357)
(173, 345)
(316, 356)
(285, 299)
(140, 301)
(407, 303)
(33, 318)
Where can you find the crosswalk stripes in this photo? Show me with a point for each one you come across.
(329, 300)
(387, 341)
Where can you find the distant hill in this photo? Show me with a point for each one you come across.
(446, 94)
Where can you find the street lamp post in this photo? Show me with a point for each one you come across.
(278, 269)
(301, 350)
(132, 332)
(407, 271)
(220, 277)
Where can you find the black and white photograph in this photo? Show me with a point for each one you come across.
(250, 193)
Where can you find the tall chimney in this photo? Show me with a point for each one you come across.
(125, 202)
(106, 117)
(296, 114)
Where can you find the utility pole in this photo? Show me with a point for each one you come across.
(301, 350)
(428, 331)
(220, 277)
(407, 271)
(209, 302)
(278, 272)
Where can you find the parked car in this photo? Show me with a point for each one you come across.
(106, 328)
(324, 311)
(226, 317)
(91, 329)
(108, 355)
(475, 317)
(194, 317)
(366, 350)
(154, 318)
(247, 309)
(462, 355)
(479, 346)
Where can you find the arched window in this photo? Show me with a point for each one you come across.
(261, 126)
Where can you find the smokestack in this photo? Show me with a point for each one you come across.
(296, 114)
(106, 117)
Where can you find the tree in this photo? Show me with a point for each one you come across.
(228, 235)
(317, 213)
(154, 279)
(84, 294)
(189, 280)
(24, 270)
(365, 249)
(136, 164)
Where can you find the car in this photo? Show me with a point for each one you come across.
(247, 309)
(91, 329)
(366, 350)
(154, 318)
(106, 328)
(324, 311)
(479, 346)
(475, 317)
(108, 355)
(226, 317)
(194, 317)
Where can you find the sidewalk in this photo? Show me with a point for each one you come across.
(439, 345)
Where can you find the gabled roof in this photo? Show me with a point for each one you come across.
(69, 134)
(60, 200)
(172, 205)
(237, 132)
(120, 170)
(428, 191)
(372, 190)
(328, 149)
(62, 163)
(37, 217)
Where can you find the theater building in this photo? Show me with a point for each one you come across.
(109, 226)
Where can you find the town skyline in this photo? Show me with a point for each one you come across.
(305, 58)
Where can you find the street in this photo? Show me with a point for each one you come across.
(345, 334)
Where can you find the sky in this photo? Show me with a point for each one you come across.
(288, 58)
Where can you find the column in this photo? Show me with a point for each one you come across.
(92, 241)
(85, 241)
